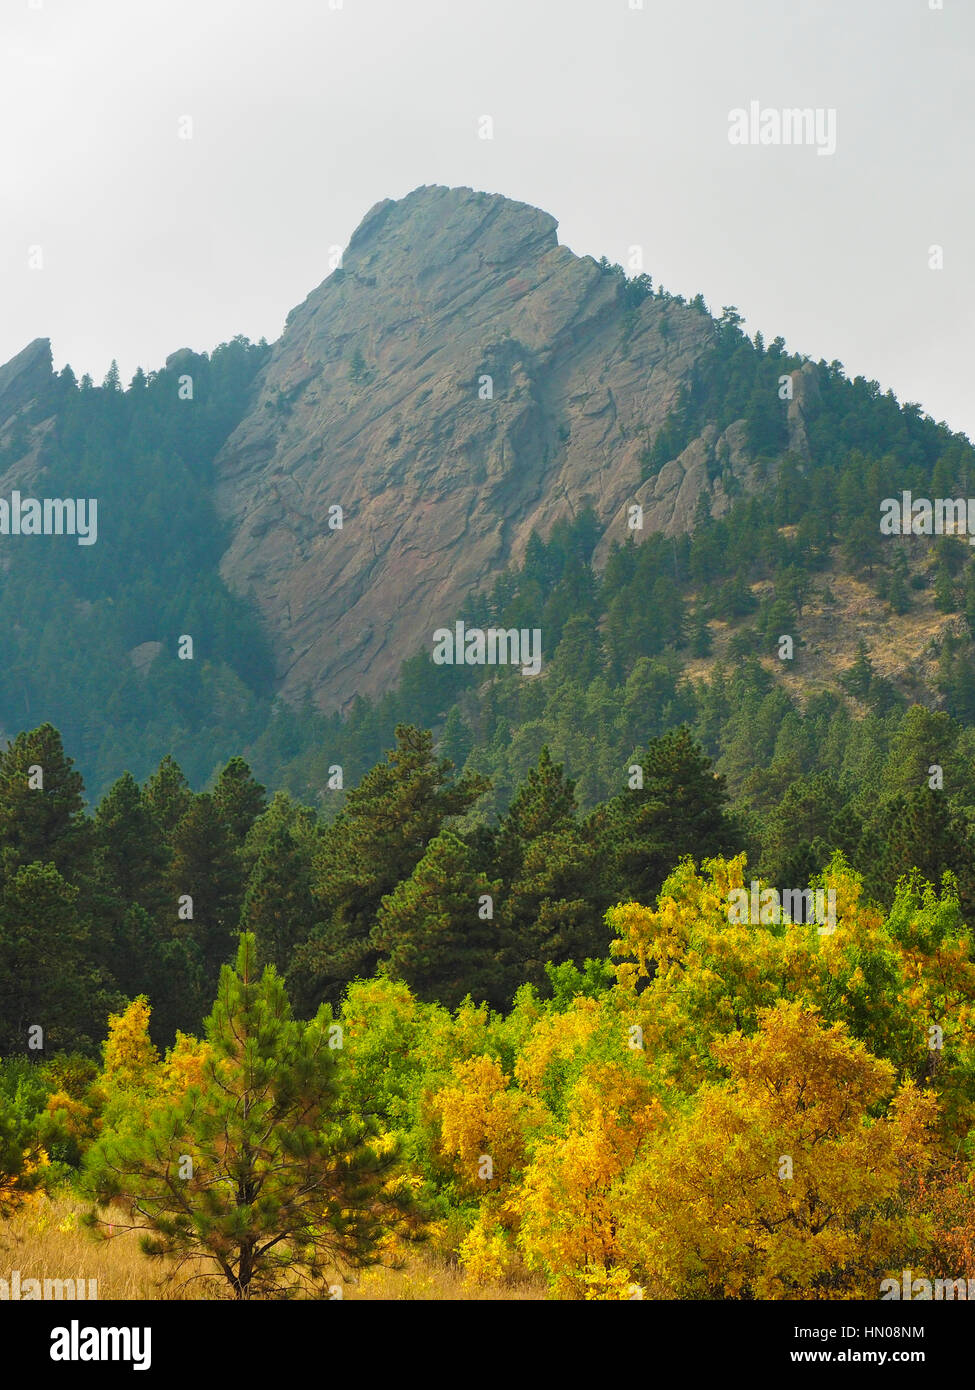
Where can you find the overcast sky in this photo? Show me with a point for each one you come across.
(613, 119)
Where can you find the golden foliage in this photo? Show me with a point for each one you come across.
(130, 1056)
(781, 1182)
(481, 1118)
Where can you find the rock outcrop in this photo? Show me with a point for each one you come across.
(23, 379)
(462, 380)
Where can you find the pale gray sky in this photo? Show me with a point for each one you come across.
(613, 119)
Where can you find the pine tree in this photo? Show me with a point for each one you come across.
(860, 677)
(861, 543)
(135, 914)
(679, 810)
(239, 799)
(804, 828)
(168, 795)
(700, 635)
(279, 906)
(552, 911)
(47, 976)
(149, 956)
(206, 869)
(552, 893)
(264, 1172)
(41, 805)
(545, 802)
(944, 591)
(129, 851)
(375, 843)
(432, 931)
(456, 740)
(956, 678)
(896, 592)
(921, 831)
(21, 1167)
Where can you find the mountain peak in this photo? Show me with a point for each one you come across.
(434, 214)
(25, 376)
(460, 382)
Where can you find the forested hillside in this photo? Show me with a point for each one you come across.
(640, 631)
(93, 643)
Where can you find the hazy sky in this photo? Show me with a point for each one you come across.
(613, 119)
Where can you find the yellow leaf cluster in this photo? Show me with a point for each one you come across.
(183, 1066)
(480, 1116)
(130, 1056)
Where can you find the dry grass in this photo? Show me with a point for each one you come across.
(46, 1240)
(428, 1279)
(903, 648)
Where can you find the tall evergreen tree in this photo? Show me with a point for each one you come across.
(129, 851)
(544, 803)
(41, 805)
(921, 831)
(802, 831)
(206, 869)
(679, 810)
(279, 905)
(433, 930)
(553, 910)
(168, 794)
(552, 890)
(859, 679)
(374, 844)
(47, 977)
(287, 1182)
(239, 798)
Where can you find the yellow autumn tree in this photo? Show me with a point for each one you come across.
(555, 1041)
(567, 1202)
(938, 992)
(135, 1080)
(687, 971)
(73, 1123)
(783, 1181)
(691, 968)
(484, 1126)
(131, 1059)
(481, 1117)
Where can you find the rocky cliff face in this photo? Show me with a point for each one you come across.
(24, 378)
(461, 380)
(24, 381)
